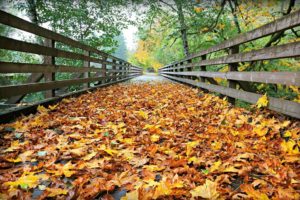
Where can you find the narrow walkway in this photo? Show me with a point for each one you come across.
(148, 141)
(148, 78)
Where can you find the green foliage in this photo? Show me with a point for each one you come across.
(209, 23)
(95, 23)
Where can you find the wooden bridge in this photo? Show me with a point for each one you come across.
(114, 70)
(111, 70)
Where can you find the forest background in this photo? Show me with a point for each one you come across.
(168, 30)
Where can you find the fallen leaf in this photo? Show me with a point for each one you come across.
(53, 192)
(262, 101)
(206, 191)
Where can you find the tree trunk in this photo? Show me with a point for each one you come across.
(183, 29)
(32, 13)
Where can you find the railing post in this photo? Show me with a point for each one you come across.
(86, 64)
(114, 69)
(203, 68)
(189, 69)
(122, 67)
(49, 60)
(233, 67)
(127, 70)
(181, 69)
(103, 73)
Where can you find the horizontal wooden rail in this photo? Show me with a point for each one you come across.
(185, 72)
(276, 52)
(286, 107)
(13, 90)
(12, 113)
(13, 21)
(9, 67)
(16, 45)
(286, 78)
(284, 23)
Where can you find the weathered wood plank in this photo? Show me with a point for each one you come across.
(283, 106)
(16, 45)
(49, 60)
(282, 51)
(86, 64)
(284, 23)
(13, 90)
(36, 77)
(286, 78)
(233, 67)
(23, 110)
(10, 67)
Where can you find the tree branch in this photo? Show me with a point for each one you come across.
(169, 5)
(218, 16)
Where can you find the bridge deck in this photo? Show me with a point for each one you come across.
(166, 139)
(148, 77)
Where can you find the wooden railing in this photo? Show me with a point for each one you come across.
(113, 69)
(184, 70)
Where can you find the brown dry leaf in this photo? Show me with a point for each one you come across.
(252, 193)
(159, 140)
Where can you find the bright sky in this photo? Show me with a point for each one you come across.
(131, 39)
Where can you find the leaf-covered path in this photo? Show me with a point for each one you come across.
(156, 141)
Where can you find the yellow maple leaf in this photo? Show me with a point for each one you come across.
(78, 151)
(190, 146)
(162, 189)
(111, 152)
(143, 114)
(42, 109)
(234, 132)
(133, 195)
(27, 180)
(261, 130)
(253, 193)
(287, 134)
(194, 160)
(89, 156)
(127, 140)
(216, 145)
(154, 138)
(290, 147)
(191, 109)
(262, 101)
(206, 191)
(215, 166)
(22, 157)
(153, 168)
(53, 192)
(66, 100)
(67, 170)
(52, 107)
